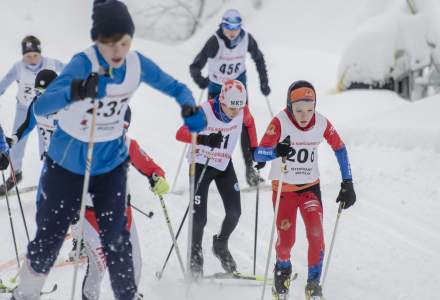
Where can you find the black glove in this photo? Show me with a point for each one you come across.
(213, 140)
(346, 194)
(260, 165)
(4, 161)
(11, 140)
(203, 83)
(265, 89)
(283, 148)
(82, 89)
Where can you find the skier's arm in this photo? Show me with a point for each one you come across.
(157, 78)
(249, 123)
(141, 161)
(58, 94)
(260, 63)
(266, 150)
(334, 140)
(195, 69)
(29, 123)
(10, 77)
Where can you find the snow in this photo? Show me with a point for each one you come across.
(387, 245)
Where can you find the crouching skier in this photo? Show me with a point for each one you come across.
(97, 265)
(225, 114)
(301, 190)
(73, 96)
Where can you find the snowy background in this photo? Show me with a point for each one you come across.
(387, 245)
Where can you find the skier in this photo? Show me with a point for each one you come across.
(24, 72)
(45, 124)
(301, 186)
(120, 73)
(226, 114)
(4, 151)
(97, 265)
(225, 53)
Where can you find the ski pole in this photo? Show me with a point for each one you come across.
(192, 173)
(256, 220)
(84, 193)
(269, 107)
(159, 274)
(277, 206)
(19, 200)
(182, 156)
(341, 206)
(11, 222)
(150, 214)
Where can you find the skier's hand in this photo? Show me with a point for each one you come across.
(283, 148)
(11, 140)
(265, 89)
(213, 140)
(194, 118)
(4, 161)
(159, 185)
(260, 165)
(92, 87)
(203, 83)
(346, 195)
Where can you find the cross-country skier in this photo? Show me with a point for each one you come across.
(45, 124)
(301, 188)
(110, 73)
(226, 114)
(225, 52)
(24, 73)
(4, 151)
(97, 265)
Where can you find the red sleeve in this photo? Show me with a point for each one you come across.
(272, 135)
(183, 135)
(141, 161)
(332, 137)
(249, 123)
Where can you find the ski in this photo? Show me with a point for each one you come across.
(8, 290)
(24, 190)
(235, 275)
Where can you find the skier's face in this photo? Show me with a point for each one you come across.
(303, 112)
(114, 53)
(32, 58)
(230, 112)
(231, 34)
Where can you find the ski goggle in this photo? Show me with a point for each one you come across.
(231, 23)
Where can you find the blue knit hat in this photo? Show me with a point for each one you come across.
(110, 17)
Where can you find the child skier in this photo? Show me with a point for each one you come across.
(225, 115)
(225, 53)
(306, 129)
(24, 72)
(110, 73)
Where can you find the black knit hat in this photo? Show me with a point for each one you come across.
(30, 44)
(300, 90)
(110, 17)
(44, 78)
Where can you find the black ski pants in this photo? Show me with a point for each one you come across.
(227, 185)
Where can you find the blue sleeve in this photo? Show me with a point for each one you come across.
(10, 77)
(29, 124)
(344, 164)
(262, 154)
(155, 77)
(3, 145)
(57, 95)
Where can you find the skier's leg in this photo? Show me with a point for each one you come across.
(311, 211)
(137, 258)
(229, 190)
(59, 196)
(96, 265)
(108, 192)
(17, 151)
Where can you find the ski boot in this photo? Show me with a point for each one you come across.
(313, 291)
(252, 177)
(280, 290)
(221, 251)
(10, 184)
(196, 263)
(82, 251)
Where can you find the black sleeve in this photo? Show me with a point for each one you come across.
(209, 51)
(258, 58)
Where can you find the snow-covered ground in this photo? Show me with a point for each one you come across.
(387, 245)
